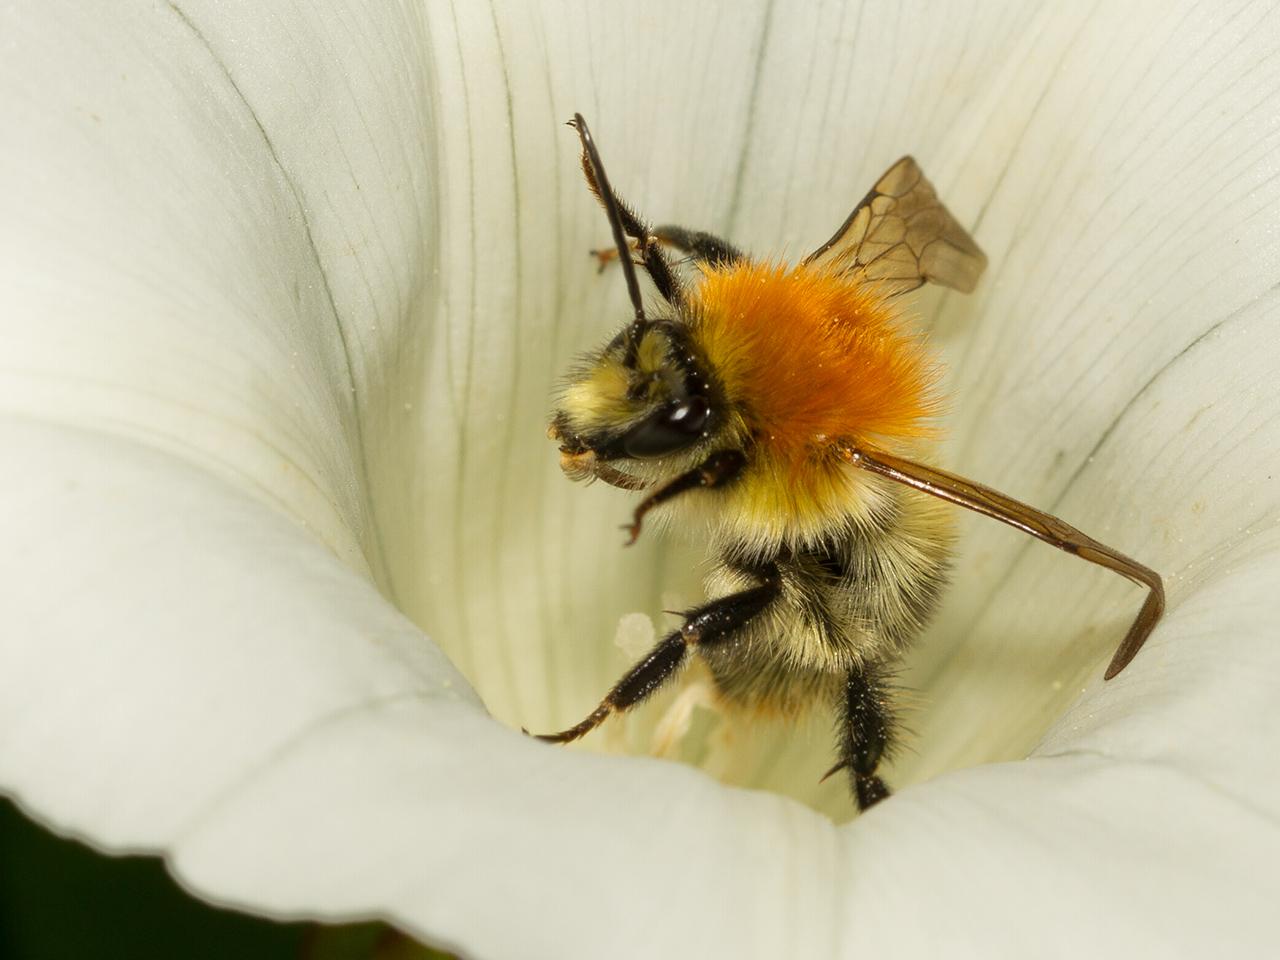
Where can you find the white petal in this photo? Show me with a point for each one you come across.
(237, 270)
(172, 637)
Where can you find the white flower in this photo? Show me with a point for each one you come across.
(285, 288)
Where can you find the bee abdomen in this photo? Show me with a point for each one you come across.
(845, 603)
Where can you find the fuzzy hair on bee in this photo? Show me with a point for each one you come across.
(783, 414)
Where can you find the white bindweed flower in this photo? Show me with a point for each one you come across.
(286, 559)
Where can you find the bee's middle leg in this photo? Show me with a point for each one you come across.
(711, 624)
(700, 246)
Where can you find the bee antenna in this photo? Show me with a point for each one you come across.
(600, 185)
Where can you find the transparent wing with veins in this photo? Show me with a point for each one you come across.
(901, 236)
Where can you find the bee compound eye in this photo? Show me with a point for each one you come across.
(690, 416)
(672, 428)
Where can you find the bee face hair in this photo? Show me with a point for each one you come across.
(645, 400)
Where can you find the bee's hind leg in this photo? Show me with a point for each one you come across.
(863, 734)
(706, 626)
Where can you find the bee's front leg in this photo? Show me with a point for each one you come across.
(708, 625)
(717, 470)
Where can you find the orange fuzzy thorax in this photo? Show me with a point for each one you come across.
(812, 358)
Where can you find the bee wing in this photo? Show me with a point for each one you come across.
(982, 499)
(901, 235)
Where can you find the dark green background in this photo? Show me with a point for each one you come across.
(61, 901)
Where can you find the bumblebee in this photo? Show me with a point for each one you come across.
(782, 411)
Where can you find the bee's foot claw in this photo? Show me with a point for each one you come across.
(834, 770)
(603, 258)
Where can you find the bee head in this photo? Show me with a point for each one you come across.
(643, 397)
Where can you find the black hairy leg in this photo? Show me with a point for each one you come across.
(703, 247)
(627, 229)
(706, 626)
(641, 239)
(717, 470)
(863, 734)
(700, 246)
